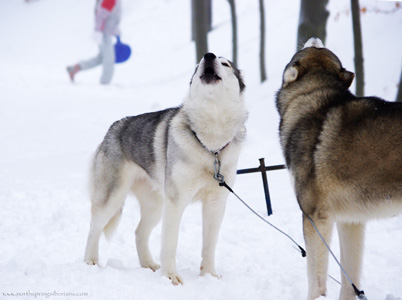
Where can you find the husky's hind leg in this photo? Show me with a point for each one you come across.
(351, 238)
(151, 205)
(110, 185)
(102, 217)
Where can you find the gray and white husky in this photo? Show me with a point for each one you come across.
(166, 158)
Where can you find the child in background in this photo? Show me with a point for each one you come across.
(107, 19)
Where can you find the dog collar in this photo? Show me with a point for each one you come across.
(209, 150)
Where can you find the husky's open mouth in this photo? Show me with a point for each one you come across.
(209, 75)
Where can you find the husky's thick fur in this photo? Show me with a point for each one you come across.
(344, 154)
(166, 159)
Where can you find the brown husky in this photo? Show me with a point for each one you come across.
(345, 155)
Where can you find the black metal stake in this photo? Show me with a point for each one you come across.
(263, 169)
(265, 184)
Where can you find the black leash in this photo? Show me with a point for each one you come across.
(359, 293)
(220, 178)
(303, 252)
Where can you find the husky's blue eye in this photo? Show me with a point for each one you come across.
(225, 64)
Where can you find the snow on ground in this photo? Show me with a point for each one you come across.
(49, 129)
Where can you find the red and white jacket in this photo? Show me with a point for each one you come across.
(107, 16)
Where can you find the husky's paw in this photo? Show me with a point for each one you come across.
(91, 262)
(153, 266)
(205, 271)
(175, 278)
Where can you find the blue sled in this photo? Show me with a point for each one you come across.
(122, 51)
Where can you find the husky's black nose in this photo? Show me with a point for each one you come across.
(209, 69)
(209, 56)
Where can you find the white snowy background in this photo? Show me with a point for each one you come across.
(49, 129)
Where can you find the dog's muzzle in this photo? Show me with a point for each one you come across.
(209, 75)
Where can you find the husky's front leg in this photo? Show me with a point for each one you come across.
(212, 216)
(173, 212)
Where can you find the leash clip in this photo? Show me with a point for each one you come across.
(217, 166)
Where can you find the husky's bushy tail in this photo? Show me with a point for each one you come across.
(112, 225)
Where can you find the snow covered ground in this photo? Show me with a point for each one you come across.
(49, 129)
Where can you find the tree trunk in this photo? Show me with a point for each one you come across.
(234, 30)
(201, 25)
(357, 34)
(399, 94)
(312, 21)
(209, 12)
(263, 75)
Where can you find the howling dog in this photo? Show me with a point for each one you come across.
(345, 156)
(166, 158)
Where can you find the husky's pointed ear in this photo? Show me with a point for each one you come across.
(346, 77)
(290, 75)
